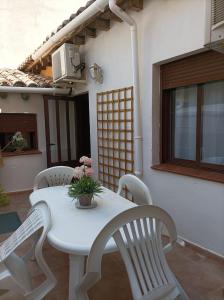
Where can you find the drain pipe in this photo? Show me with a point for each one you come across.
(138, 154)
(34, 90)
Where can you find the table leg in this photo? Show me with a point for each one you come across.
(76, 272)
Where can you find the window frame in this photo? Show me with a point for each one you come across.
(167, 140)
(27, 123)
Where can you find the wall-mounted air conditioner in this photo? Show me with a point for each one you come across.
(214, 36)
(66, 64)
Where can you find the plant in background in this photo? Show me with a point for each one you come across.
(18, 141)
(4, 200)
(84, 187)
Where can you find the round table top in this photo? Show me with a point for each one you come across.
(74, 230)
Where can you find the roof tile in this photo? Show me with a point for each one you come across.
(11, 77)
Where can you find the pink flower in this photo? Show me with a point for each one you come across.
(78, 172)
(89, 172)
(86, 160)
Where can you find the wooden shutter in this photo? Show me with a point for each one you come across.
(12, 122)
(195, 69)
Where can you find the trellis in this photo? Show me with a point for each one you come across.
(115, 135)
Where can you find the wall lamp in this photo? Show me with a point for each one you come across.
(96, 73)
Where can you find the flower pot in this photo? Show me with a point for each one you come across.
(19, 149)
(85, 200)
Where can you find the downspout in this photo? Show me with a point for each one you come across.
(138, 154)
(34, 90)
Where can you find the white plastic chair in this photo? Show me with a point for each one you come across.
(139, 243)
(14, 272)
(60, 175)
(141, 195)
(140, 192)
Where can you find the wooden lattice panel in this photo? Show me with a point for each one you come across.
(115, 135)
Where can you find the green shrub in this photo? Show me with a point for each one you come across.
(84, 186)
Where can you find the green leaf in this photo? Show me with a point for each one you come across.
(85, 186)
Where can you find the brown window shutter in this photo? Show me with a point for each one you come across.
(12, 122)
(199, 68)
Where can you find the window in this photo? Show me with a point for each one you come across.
(196, 125)
(26, 123)
(183, 122)
(193, 112)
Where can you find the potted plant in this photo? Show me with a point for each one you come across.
(18, 141)
(84, 187)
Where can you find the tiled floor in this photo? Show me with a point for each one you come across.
(202, 277)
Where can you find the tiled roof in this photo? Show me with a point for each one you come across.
(11, 77)
(29, 59)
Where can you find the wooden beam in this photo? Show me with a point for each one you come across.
(43, 63)
(101, 24)
(124, 4)
(79, 40)
(49, 61)
(111, 16)
(37, 68)
(90, 32)
(136, 5)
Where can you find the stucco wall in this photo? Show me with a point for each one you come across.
(19, 171)
(167, 29)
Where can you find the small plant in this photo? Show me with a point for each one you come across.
(18, 140)
(84, 187)
(4, 200)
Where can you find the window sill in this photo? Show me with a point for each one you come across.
(189, 171)
(18, 153)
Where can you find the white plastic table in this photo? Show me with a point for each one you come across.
(74, 230)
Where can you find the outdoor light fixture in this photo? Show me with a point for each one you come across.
(25, 97)
(96, 73)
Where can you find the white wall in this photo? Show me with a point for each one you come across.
(167, 28)
(19, 171)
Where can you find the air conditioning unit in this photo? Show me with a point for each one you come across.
(66, 64)
(214, 37)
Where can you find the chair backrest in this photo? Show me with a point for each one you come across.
(137, 233)
(60, 175)
(39, 218)
(140, 192)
